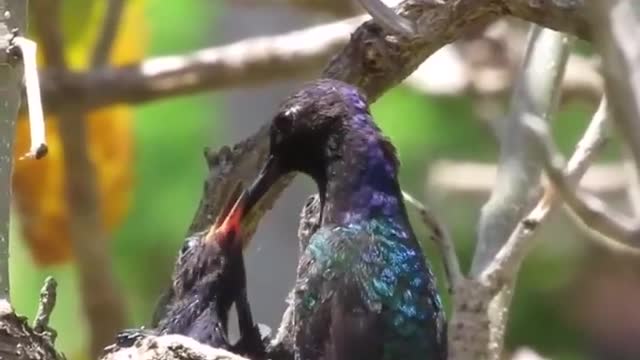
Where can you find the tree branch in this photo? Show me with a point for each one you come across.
(244, 63)
(387, 18)
(535, 93)
(373, 59)
(108, 33)
(616, 36)
(593, 213)
(506, 263)
(442, 238)
(473, 179)
(12, 73)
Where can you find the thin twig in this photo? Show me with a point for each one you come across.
(442, 238)
(509, 258)
(48, 295)
(47, 20)
(617, 29)
(632, 178)
(388, 19)
(593, 213)
(38, 147)
(475, 179)
(244, 63)
(108, 33)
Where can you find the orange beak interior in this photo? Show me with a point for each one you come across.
(226, 229)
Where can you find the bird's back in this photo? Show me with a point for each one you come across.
(364, 291)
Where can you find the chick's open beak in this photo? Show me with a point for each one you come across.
(228, 227)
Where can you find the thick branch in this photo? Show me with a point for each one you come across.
(244, 63)
(373, 59)
(12, 15)
(519, 167)
(535, 93)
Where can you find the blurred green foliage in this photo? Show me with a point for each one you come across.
(170, 136)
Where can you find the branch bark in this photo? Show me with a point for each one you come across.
(12, 16)
(616, 38)
(536, 93)
(373, 59)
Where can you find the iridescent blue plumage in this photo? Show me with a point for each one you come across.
(363, 289)
(391, 278)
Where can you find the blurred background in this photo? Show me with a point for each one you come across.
(575, 299)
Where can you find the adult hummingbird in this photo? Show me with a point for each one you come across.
(363, 288)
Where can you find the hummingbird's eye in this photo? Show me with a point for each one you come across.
(282, 125)
(283, 122)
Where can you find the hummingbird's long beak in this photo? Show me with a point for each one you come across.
(268, 176)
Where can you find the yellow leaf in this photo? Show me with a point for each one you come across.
(39, 192)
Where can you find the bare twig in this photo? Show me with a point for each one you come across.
(616, 31)
(536, 92)
(108, 33)
(632, 178)
(449, 72)
(48, 295)
(13, 14)
(477, 179)
(593, 213)
(387, 18)
(442, 238)
(28, 48)
(510, 257)
(519, 167)
(46, 17)
(244, 63)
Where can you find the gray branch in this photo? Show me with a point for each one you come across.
(506, 263)
(616, 36)
(370, 59)
(442, 238)
(12, 16)
(592, 212)
(387, 18)
(536, 93)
